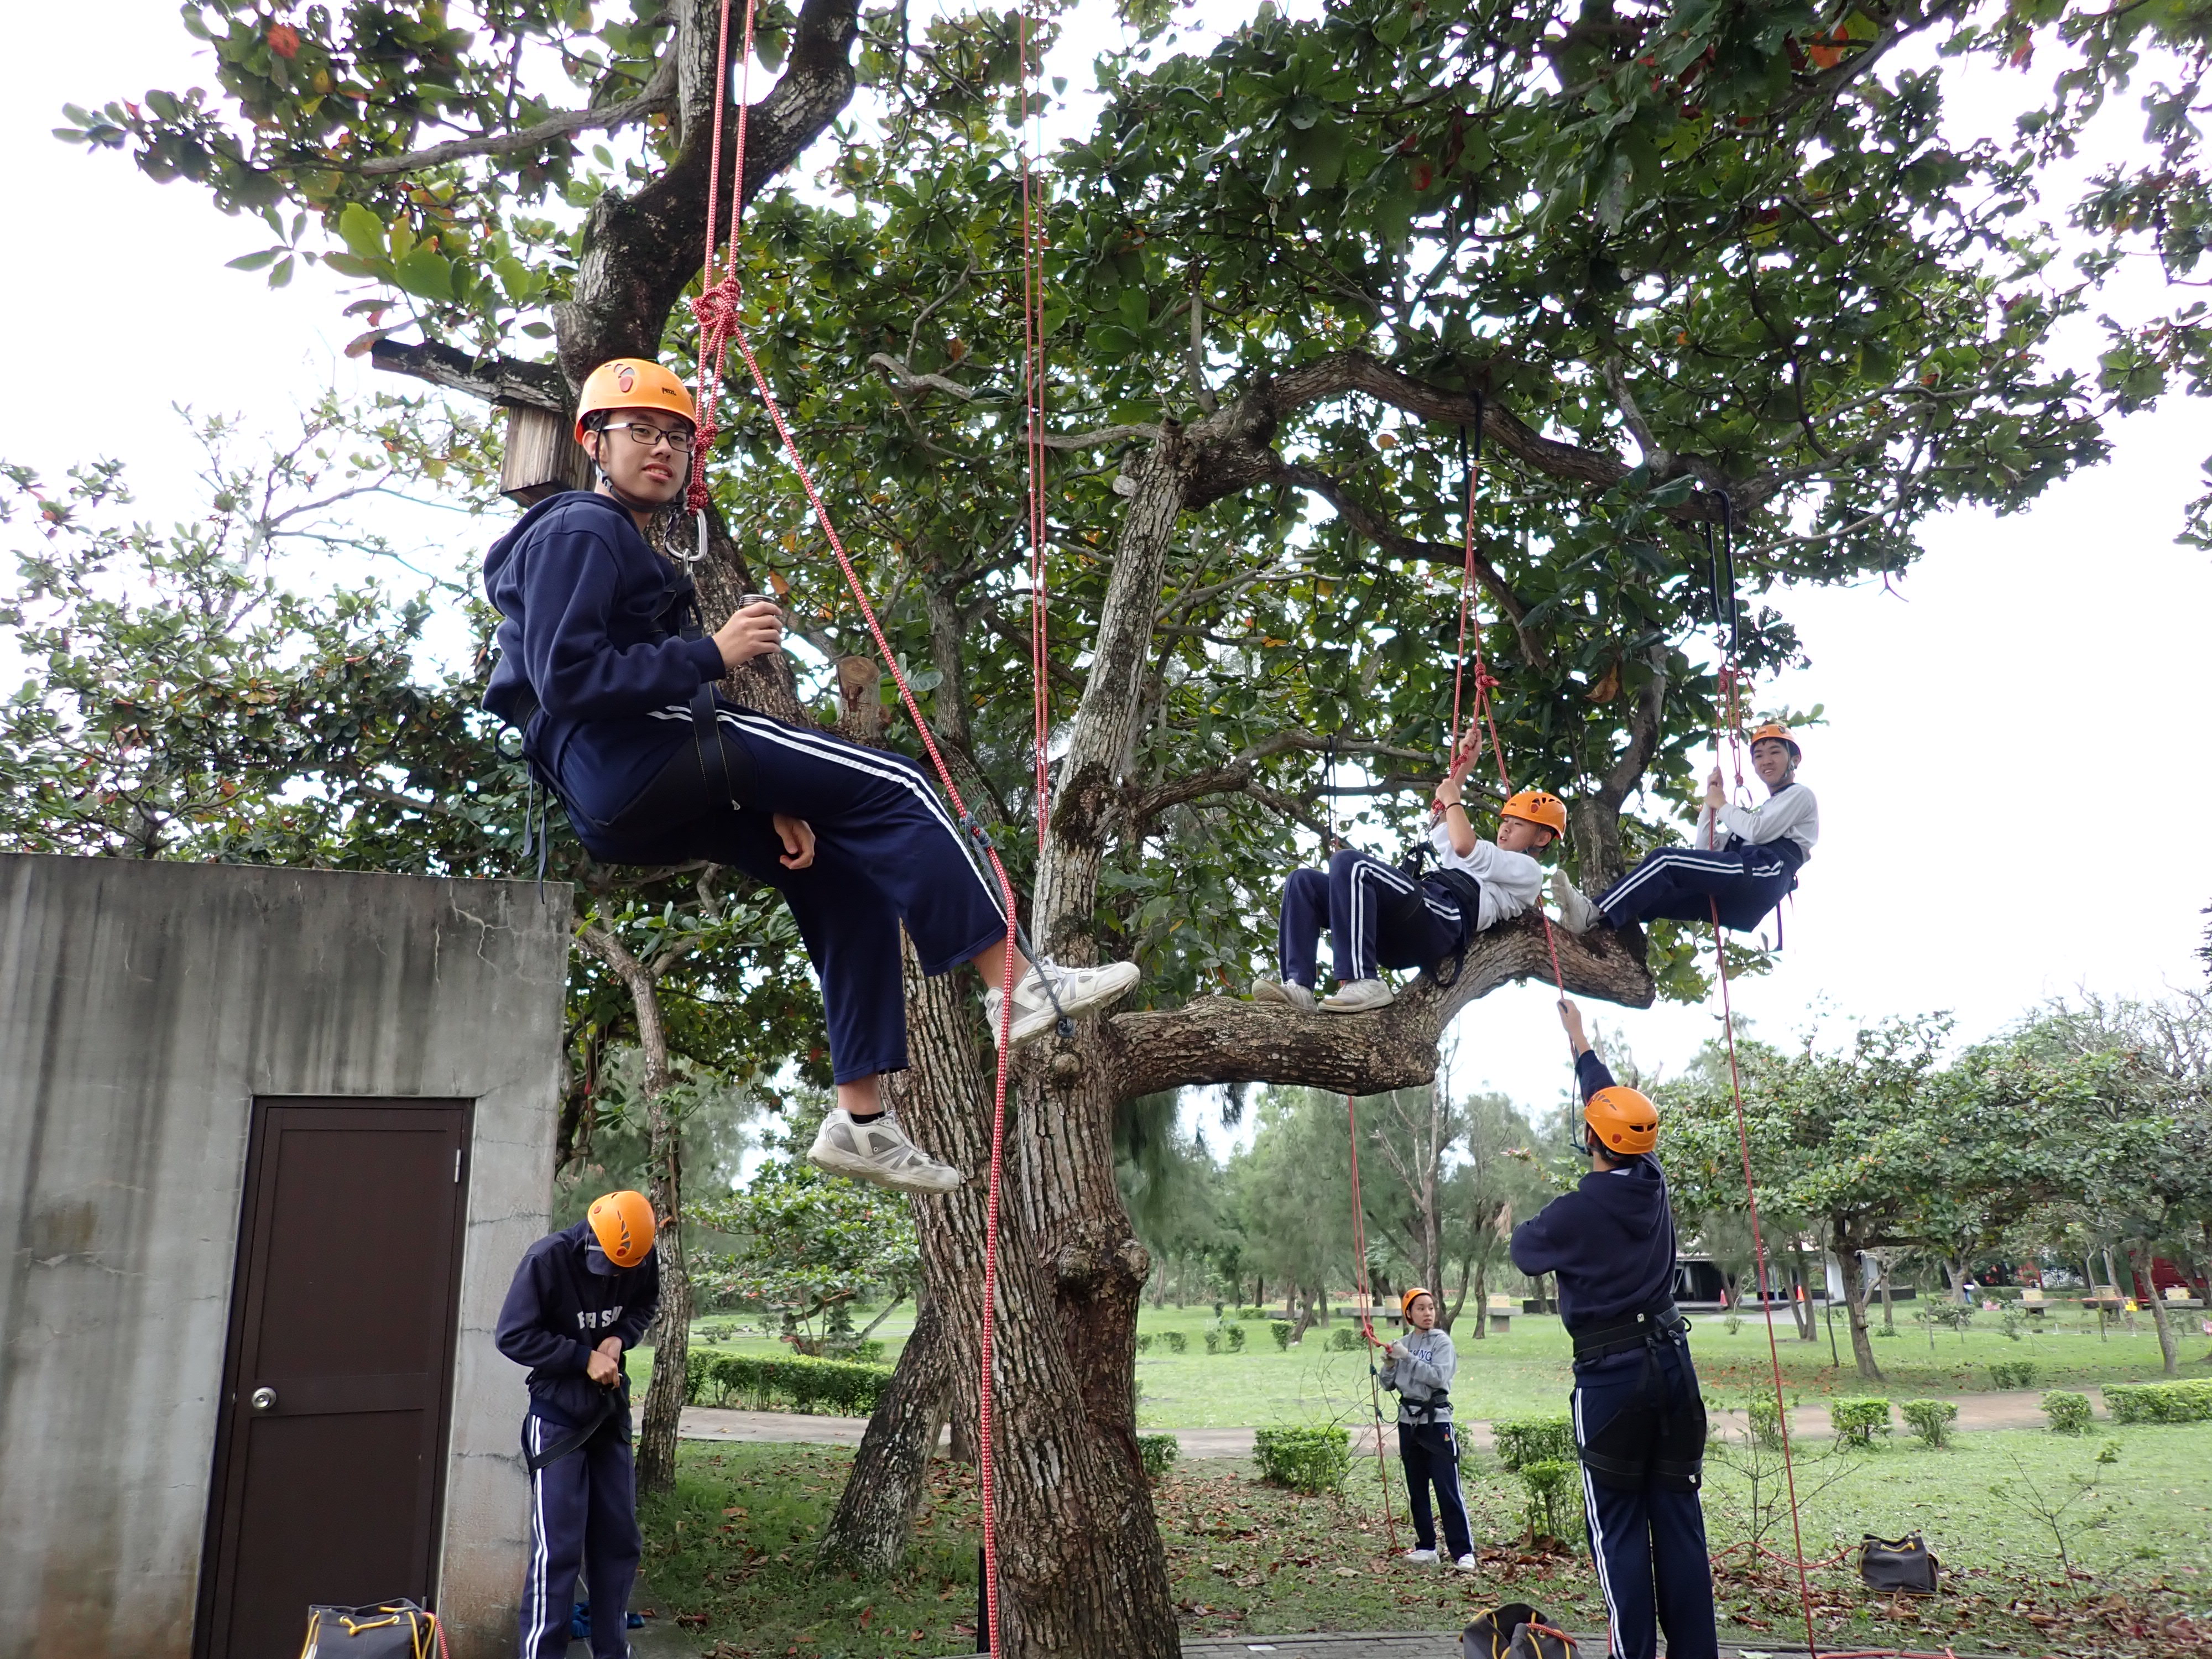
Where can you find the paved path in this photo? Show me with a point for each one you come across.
(2018, 1408)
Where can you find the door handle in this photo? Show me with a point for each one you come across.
(262, 1399)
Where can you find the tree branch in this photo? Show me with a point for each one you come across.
(504, 380)
(1220, 1040)
(658, 96)
(901, 375)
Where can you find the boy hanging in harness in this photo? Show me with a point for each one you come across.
(1417, 1368)
(1745, 862)
(1639, 1419)
(1379, 917)
(603, 667)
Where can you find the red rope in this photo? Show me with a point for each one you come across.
(720, 325)
(1731, 723)
(1363, 1290)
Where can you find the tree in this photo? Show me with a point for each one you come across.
(1496, 1179)
(1678, 270)
(1292, 1194)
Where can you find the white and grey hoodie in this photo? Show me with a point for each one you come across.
(1424, 1373)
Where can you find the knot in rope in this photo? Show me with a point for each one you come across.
(716, 309)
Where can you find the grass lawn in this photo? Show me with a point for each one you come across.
(728, 1553)
(1524, 1371)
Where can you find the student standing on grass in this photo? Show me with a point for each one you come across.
(1417, 1368)
(581, 1298)
(1639, 1419)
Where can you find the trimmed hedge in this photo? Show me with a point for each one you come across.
(834, 1388)
(2159, 1402)
(1554, 1489)
(1858, 1421)
(1280, 1330)
(1311, 1461)
(1158, 1452)
(2013, 1374)
(1522, 1441)
(2069, 1412)
(1930, 1420)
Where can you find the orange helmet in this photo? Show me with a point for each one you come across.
(1406, 1302)
(632, 383)
(623, 1222)
(1537, 806)
(1624, 1121)
(1775, 731)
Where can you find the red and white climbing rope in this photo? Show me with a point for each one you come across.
(1361, 1287)
(721, 325)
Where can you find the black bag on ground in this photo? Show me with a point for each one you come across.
(1515, 1631)
(1904, 1564)
(383, 1630)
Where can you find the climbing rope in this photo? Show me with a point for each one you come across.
(1731, 724)
(1363, 1287)
(720, 326)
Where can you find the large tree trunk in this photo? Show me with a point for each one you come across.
(874, 1518)
(2141, 1263)
(1852, 1272)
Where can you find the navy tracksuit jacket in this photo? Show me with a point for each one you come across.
(592, 632)
(1639, 1419)
(583, 1507)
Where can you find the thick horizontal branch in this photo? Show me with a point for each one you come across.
(503, 380)
(657, 97)
(1221, 1040)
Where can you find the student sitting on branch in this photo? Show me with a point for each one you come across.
(1417, 1368)
(1745, 862)
(1379, 917)
(1639, 1419)
(605, 667)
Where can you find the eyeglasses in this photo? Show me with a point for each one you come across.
(646, 435)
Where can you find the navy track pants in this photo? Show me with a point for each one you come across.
(1376, 913)
(886, 853)
(1431, 1454)
(1647, 1540)
(1685, 884)
(583, 1514)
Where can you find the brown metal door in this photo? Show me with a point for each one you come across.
(330, 1459)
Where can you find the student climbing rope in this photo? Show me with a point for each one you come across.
(1417, 1368)
(1746, 863)
(603, 667)
(1639, 1420)
(1380, 916)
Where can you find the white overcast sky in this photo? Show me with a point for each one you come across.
(2013, 801)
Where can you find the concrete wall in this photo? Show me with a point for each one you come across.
(142, 1006)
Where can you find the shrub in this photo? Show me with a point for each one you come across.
(1764, 1414)
(1280, 1330)
(1887, 1330)
(2069, 1412)
(1212, 1338)
(2159, 1402)
(837, 1387)
(1176, 1341)
(1733, 1322)
(1858, 1421)
(1252, 1313)
(1548, 1481)
(1235, 1334)
(1311, 1461)
(869, 1352)
(1930, 1420)
(1144, 1341)
(2013, 1374)
(1524, 1440)
(1158, 1452)
(1343, 1340)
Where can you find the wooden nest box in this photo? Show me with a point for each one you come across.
(542, 458)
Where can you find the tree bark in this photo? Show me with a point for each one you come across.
(2141, 1263)
(874, 1522)
(1852, 1272)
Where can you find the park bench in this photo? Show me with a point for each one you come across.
(1501, 1313)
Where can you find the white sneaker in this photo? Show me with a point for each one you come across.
(1081, 991)
(880, 1152)
(1284, 994)
(1465, 1564)
(1359, 996)
(1576, 914)
(1422, 1557)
